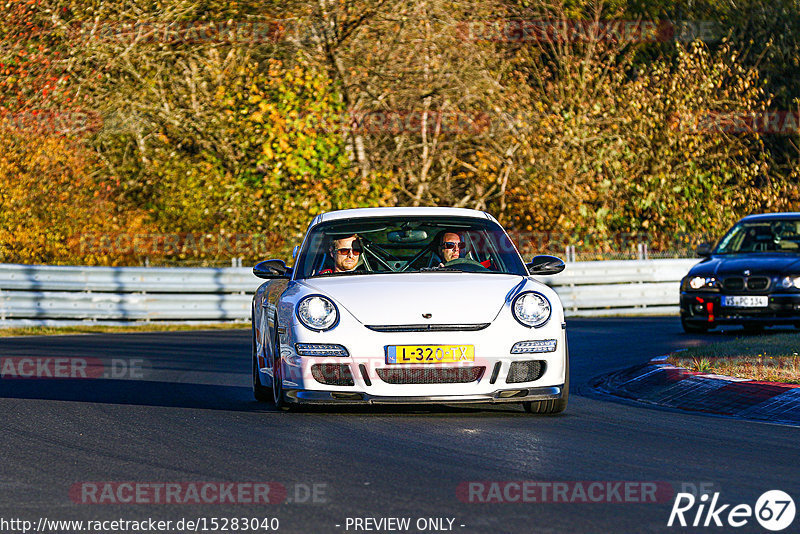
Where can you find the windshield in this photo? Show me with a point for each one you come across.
(408, 245)
(762, 236)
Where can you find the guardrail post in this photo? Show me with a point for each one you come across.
(641, 251)
(641, 255)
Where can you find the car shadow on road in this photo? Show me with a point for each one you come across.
(730, 332)
(213, 397)
(135, 392)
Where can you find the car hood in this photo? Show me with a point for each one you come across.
(760, 263)
(395, 299)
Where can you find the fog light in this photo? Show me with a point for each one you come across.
(529, 347)
(507, 394)
(320, 349)
(347, 395)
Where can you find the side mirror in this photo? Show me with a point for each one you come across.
(272, 269)
(544, 265)
(703, 250)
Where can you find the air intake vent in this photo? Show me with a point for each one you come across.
(431, 375)
(332, 374)
(427, 327)
(525, 371)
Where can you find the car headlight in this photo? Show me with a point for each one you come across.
(317, 313)
(790, 281)
(702, 282)
(531, 309)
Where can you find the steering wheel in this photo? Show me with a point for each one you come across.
(466, 264)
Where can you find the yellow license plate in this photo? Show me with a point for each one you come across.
(430, 353)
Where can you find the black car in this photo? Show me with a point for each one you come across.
(751, 278)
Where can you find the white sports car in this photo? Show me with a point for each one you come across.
(409, 305)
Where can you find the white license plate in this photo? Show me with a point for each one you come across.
(746, 302)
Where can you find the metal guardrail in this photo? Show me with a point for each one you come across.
(36, 294)
(621, 287)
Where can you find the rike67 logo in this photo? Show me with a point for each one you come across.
(774, 510)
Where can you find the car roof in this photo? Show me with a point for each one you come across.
(771, 217)
(357, 213)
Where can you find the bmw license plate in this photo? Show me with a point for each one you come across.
(430, 353)
(745, 301)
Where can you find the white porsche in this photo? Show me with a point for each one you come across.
(409, 305)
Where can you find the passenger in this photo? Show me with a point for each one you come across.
(346, 254)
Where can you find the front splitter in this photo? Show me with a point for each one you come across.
(354, 397)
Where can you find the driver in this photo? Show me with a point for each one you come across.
(346, 253)
(450, 247)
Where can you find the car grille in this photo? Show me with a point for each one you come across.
(431, 375)
(734, 284)
(527, 371)
(758, 283)
(754, 283)
(332, 374)
(427, 327)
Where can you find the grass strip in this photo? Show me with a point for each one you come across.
(767, 358)
(121, 329)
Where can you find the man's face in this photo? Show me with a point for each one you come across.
(344, 257)
(450, 240)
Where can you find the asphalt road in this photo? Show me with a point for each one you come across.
(178, 408)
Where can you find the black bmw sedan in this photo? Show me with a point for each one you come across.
(751, 278)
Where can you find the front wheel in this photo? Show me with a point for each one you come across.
(260, 392)
(693, 328)
(278, 397)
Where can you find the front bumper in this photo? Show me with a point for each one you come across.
(496, 375)
(498, 396)
(705, 308)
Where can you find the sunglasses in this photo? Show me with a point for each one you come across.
(345, 251)
(449, 245)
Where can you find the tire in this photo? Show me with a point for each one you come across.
(278, 397)
(260, 392)
(690, 328)
(753, 329)
(551, 407)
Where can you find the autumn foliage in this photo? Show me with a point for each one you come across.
(363, 103)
